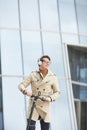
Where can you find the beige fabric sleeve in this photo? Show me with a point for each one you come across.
(25, 83)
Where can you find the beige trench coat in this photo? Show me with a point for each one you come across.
(46, 86)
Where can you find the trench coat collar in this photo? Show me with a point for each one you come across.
(48, 74)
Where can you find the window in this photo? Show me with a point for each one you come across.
(78, 69)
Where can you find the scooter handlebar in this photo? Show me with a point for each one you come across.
(38, 97)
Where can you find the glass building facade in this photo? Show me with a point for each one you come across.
(29, 29)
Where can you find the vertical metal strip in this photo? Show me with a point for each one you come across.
(40, 27)
(77, 21)
(21, 45)
(20, 33)
(60, 33)
(1, 86)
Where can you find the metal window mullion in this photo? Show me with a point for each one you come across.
(77, 21)
(79, 83)
(21, 45)
(40, 27)
(1, 87)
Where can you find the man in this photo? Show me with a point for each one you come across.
(45, 84)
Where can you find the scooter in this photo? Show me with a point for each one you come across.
(32, 108)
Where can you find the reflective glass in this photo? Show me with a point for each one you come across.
(29, 14)
(60, 108)
(10, 52)
(14, 105)
(83, 115)
(70, 38)
(67, 16)
(81, 6)
(83, 40)
(78, 63)
(81, 112)
(31, 50)
(1, 126)
(52, 47)
(9, 13)
(49, 14)
(78, 68)
(80, 92)
(0, 95)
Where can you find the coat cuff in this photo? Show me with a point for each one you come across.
(22, 88)
(50, 98)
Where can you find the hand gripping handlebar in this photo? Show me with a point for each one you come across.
(38, 97)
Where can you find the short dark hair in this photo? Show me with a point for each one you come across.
(45, 56)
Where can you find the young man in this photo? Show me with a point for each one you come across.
(44, 83)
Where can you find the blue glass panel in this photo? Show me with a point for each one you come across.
(60, 108)
(0, 120)
(52, 47)
(9, 13)
(83, 40)
(81, 15)
(78, 63)
(49, 14)
(31, 50)
(11, 52)
(29, 14)
(80, 92)
(14, 105)
(70, 38)
(67, 16)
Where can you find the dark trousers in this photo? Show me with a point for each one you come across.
(44, 125)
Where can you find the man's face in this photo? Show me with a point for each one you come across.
(45, 64)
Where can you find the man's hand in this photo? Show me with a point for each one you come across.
(29, 94)
(48, 99)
